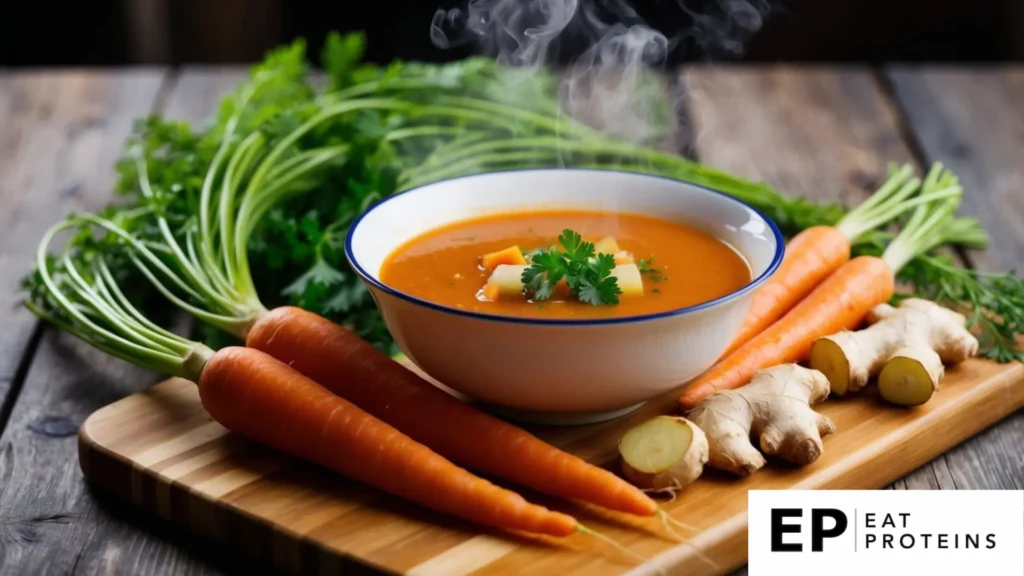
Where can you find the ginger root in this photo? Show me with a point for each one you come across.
(906, 347)
(663, 453)
(776, 407)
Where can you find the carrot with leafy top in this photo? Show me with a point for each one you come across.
(816, 252)
(352, 368)
(208, 276)
(840, 302)
(258, 396)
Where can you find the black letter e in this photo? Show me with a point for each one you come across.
(778, 529)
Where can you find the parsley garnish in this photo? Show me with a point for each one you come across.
(587, 274)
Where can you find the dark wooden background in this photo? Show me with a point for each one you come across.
(112, 32)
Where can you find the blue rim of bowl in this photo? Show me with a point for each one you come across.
(780, 251)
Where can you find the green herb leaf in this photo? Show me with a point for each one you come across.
(601, 292)
(547, 268)
(588, 275)
(575, 248)
(603, 265)
(347, 298)
(340, 56)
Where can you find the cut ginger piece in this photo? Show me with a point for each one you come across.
(607, 245)
(905, 381)
(511, 255)
(629, 279)
(506, 280)
(776, 408)
(665, 452)
(907, 347)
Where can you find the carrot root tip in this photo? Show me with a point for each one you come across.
(582, 529)
(667, 520)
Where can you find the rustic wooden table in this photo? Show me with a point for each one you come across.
(818, 132)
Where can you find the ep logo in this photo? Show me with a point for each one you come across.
(820, 523)
(858, 532)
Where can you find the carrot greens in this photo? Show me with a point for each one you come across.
(77, 292)
(240, 388)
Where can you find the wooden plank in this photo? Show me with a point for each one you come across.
(307, 520)
(198, 91)
(825, 134)
(12, 348)
(50, 164)
(820, 133)
(6, 97)
(56, 154)
(972, 120)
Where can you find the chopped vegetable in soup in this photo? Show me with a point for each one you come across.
(566, 264)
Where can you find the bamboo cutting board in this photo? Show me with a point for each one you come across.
(160, 450)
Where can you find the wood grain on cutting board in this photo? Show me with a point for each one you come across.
(159, 449)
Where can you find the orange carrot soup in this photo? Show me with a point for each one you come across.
(566, 264)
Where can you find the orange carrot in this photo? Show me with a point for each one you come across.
(811, 256)
(258, 396)
(838, 303)
(354, 369)
(816, 252)
(262, 398)
(511, 255)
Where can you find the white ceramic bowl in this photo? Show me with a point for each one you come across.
(561, 371)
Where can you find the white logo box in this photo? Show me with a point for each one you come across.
(927, 533)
